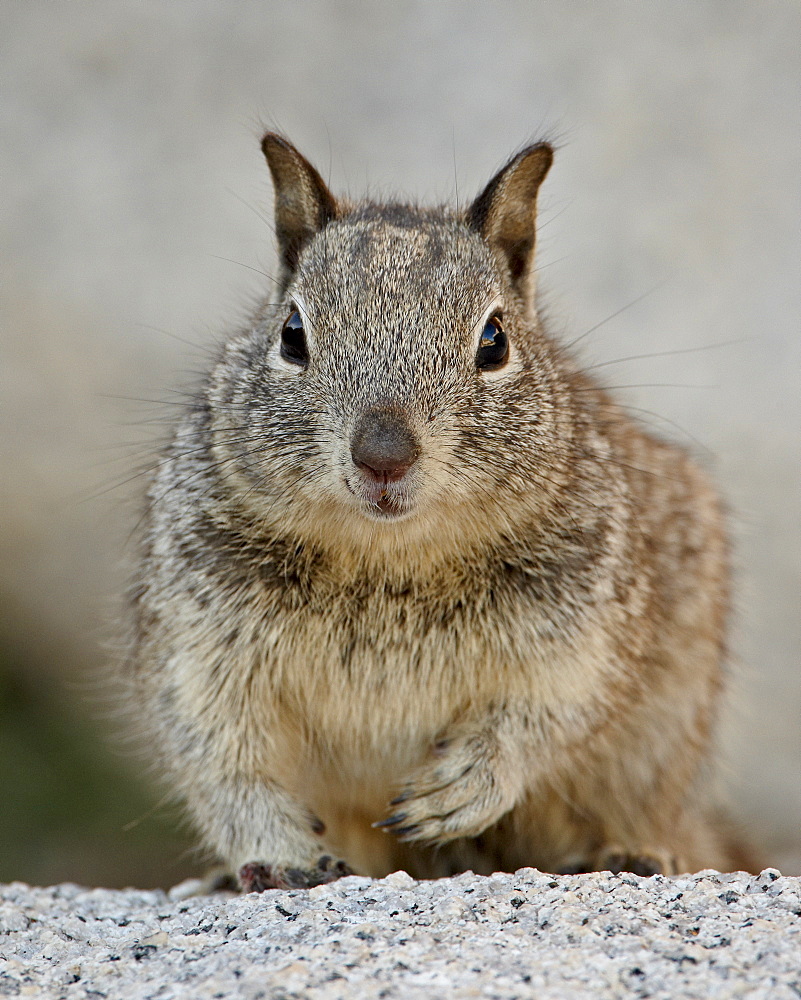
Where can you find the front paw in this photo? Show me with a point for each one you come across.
(465, 786)
(257, 876)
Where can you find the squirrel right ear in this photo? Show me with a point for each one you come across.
(505, 214)
(303, 203)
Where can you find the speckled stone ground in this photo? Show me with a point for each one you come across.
(506, 936)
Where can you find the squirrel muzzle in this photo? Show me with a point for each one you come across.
(384, 448)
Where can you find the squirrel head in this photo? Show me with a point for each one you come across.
(402, 373)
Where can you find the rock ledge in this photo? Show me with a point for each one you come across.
(502, 937)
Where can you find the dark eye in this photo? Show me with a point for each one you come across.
(493, 348)
(293, 340)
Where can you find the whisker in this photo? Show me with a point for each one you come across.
(645, 385)
(665, 354)
(667, 420)
(268, 222)
(204, 348)
(249, 267)
(615, 314)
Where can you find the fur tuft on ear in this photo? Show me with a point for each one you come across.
(505, 214)
(303, 203)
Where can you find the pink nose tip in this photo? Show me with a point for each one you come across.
(388, 475)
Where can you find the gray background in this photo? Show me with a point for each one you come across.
(130, 167)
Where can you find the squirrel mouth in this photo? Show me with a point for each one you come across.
(388, 505)
(384, 498)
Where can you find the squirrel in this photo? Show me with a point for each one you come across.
(414, 591)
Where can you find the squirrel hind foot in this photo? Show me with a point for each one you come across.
(256, 876)
(616, 860)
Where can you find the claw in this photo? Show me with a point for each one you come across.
(405, 831)
(391, 821)
(400, 798)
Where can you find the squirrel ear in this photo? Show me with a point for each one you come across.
(303, 203)
(505, 214)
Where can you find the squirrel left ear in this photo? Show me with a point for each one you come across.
(303, 203)
(505, 214)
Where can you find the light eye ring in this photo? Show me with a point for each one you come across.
(293, 339)
(493, 345)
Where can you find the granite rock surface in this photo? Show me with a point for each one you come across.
(505, 936)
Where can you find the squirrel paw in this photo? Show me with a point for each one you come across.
(644, 862)
(458, 792)
(616, 860)
(257, 876)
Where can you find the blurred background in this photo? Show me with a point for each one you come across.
(134, 230)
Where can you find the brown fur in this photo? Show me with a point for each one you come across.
(519, 638)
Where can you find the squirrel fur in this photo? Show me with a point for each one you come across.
(405, 601)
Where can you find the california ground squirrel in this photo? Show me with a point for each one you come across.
(414, 591)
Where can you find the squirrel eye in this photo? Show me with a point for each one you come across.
(493, 348)
(293, 340)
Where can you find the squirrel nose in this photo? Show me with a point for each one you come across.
(383, 445)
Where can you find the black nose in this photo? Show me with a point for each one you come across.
(383, 445)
